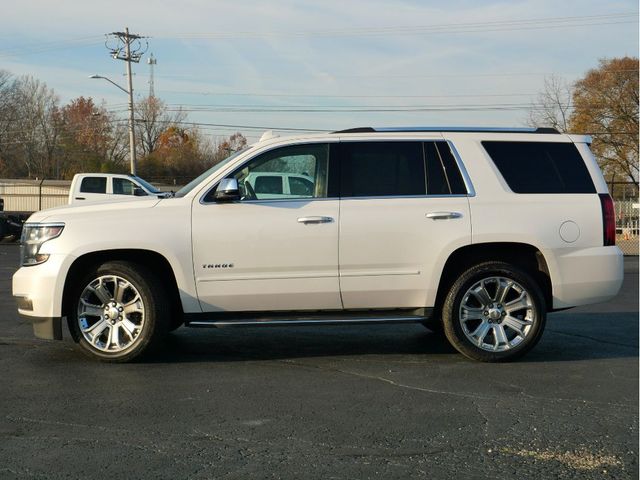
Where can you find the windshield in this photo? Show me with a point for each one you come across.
(147, 185)
(193, 183)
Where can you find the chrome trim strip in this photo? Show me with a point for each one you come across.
(282, 323)
(289, 276)
(465, 175)
(352, 274)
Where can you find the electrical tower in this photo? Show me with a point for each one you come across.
(152, 62)
(128, 47)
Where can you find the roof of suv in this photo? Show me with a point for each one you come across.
(449, 129)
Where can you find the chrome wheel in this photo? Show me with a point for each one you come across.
(110, 314)
(497, 314)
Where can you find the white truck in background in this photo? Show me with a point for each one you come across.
(106, 187)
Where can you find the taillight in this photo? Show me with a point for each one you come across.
(608, 219)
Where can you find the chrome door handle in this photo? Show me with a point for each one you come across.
(443, 215)
(308, 220)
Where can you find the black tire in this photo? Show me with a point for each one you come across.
(152, 299)
(530, 318)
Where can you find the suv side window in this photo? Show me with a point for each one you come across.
(541, 167)
(374, 169)
(263, 177)
(265, 184)
(443, 174)
(122, 186)
(300, 186)
(94, 185)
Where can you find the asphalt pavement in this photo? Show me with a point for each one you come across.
(325, 403)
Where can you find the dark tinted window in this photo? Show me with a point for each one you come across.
(268, 184)
(437, 183)
(539, 167)
(451, 168)
(94, 185)
(381, 169)
(443, 175)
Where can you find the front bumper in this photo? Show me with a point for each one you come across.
(38, 293)
(49, 328)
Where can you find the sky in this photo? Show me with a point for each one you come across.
(327, 65)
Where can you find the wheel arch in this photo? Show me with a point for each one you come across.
(150, 259)
(523, 255)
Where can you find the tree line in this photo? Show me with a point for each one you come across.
(603, 104)
(41, 138)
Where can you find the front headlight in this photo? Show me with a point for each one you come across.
(33, 236)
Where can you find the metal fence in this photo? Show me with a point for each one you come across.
(627, 205)
(33, 195)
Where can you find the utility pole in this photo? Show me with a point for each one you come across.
(128, 48)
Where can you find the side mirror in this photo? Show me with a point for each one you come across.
(138, 192)
(227, 191)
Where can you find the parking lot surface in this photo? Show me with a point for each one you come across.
(325, 402)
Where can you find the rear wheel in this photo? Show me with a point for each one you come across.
(119, 311)
(494, 312)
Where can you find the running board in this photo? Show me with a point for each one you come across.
(283, 320)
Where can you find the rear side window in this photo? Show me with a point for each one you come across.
(374, 169)
(541, 167)
(94, 185)
(443, 174)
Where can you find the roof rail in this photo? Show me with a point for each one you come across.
(450, 129)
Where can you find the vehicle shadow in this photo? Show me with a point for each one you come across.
(568, 337)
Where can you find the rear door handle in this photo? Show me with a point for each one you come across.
(313, 220)
(443, 215)
(80, 198)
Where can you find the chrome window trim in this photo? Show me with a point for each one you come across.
(471, 191)
(240, 163)
(463, 171)
(380, 197)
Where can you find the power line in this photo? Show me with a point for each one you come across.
(460, 27)
(48, 46)
(312, 95)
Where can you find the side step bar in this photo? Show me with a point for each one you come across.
(241, 319)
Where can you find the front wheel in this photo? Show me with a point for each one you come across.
(119, 311)
(494, 312)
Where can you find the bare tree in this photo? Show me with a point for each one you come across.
(153, 118)
(37, 127)
(553, 105)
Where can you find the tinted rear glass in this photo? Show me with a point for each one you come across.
(443, 174)
(381, 169)
(540, 167)
(94, 185)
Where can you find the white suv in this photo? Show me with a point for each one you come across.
(479, 232)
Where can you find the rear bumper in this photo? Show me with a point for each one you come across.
(585, 276)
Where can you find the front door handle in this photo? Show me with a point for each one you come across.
(443, 215)
(314, 220)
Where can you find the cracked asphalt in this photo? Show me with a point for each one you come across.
(325, 403)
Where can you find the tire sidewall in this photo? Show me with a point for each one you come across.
(451, 311)
(154, 302)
